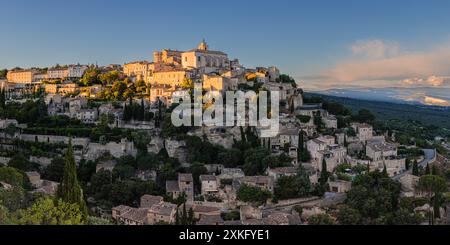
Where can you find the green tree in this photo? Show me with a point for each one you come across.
(177, 217)
(14, 198)
(248, 193)
(5, 216)
(11, 176)
(304, 119)
(70, 190)
(301, 144)
(349, 216)
(184, 215)
(90, 77)
(254, 164)
(385, 173)
(324, 175)
(374, 196)
(100, 185)
(434, 170)
(427, 169)
(51, 212)
(20, 162)
(318, 122)
(55, 170)
(147, 161)
(10, 130)
(415, 169)
(98, 221)
(432, 186)
(320, 219)
(294, 186)
(286, 188)
(3, 73)
(191, 218)
(230, 158)
(365, 116)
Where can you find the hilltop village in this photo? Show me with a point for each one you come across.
(109, 126)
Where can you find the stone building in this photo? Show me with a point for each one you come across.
(364, 131)
(209, 184)
(277, 173)
(184, 184)
(205, 60)
(163, 212)
(138, 70)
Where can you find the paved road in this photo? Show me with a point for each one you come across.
(430, 156)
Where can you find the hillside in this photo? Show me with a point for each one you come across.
(428, 115)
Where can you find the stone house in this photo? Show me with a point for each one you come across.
(147, 201)
(35, 178)
(209, 184)
(203, 210)
(264, 182)
(184, 184)
(231, 173)
(363, 131)
(210, 220)
(277, 173)
(163, 212)
(409, 183)
(340, 186)
(106, 166)
(130, 216)
(330, 121)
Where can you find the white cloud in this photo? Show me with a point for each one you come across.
(378, 63)
(375, 49)
(435, 81)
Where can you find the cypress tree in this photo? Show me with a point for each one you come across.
(407, 163)
(434, 170)
(184, 217)
(324, 173)
(191, 219)
(415, 169)
(301, 144)
(427, 170)
(70, 190)
(177, 218)
(385, 173)
(2, 98)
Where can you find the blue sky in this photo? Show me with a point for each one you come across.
(307, 39)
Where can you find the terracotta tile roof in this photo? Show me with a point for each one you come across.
(210, 220)
(147, 201)
(185, 177)
(172, 186)
(163, 208)
(207, 178)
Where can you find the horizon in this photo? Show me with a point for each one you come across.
(321, 47)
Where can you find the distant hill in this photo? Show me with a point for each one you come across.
(428, 115)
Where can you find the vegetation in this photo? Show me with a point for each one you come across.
(70, 190)
(433, 186)
(320, 219)
(252, 194)
(375, 197)
(46, 211)
(3, 73)
(28, 112)
(294, 186)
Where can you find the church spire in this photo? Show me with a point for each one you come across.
(203, 45)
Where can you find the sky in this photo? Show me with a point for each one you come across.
(320, 43)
